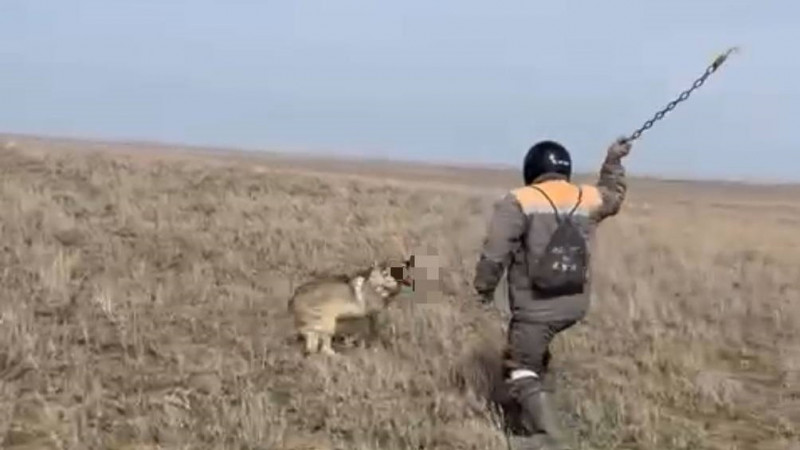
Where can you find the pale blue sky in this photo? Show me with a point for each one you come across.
(466, 80)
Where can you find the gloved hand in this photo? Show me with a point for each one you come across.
(620, 148)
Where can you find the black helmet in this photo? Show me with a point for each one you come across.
(546, 157)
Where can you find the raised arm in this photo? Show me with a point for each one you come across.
(611, 184)
(503, 237)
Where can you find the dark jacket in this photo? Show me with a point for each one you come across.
(521, 225)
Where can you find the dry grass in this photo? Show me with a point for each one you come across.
(143, 306)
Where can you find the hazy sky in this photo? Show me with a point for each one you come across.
(456, 80)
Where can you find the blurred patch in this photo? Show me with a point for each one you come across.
(423, 273)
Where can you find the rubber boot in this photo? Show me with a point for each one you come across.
(545, 419)
(539, 421)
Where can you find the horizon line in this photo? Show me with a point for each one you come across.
(347, 157)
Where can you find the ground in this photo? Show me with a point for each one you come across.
(143, 306)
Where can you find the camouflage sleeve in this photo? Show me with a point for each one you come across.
(612, 187)
(504, 236)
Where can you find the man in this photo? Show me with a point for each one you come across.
(548, 281)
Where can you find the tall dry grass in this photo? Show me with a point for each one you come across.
(143, 306)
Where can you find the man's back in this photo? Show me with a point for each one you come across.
(540, 224)
(547, 201)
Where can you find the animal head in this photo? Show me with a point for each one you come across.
(380, 278)
(388, 278)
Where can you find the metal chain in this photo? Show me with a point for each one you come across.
(684, 95)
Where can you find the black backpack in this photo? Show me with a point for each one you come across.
(562, 267)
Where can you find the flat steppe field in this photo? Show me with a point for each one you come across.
(143, 306)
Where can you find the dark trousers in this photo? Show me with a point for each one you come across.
(529, 343)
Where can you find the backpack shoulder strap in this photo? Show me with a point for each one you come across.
(580, 197)
(555, 208)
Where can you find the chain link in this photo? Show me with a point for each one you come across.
(684, 95)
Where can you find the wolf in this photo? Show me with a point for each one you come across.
(318, 304)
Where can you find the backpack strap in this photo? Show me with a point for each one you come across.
(555, 208)
(580, 197)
